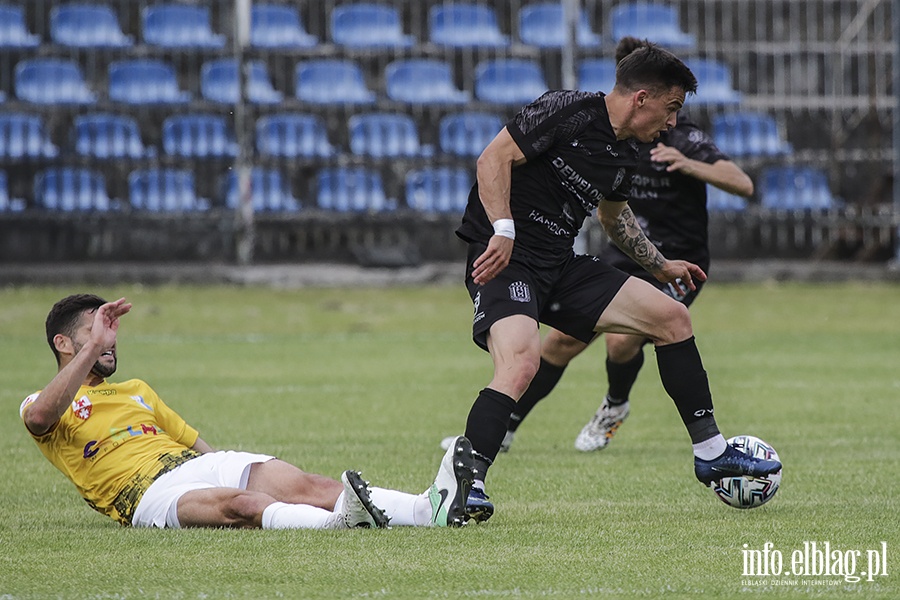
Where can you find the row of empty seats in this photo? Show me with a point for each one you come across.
(333, 81)
(356, 25)
(305, 135)
(354, 189)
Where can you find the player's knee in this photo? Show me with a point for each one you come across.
(676, 324)
(245, 509)
(559, 349)
(622, 348)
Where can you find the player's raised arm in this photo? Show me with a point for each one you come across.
(78, 354)
(494, 174)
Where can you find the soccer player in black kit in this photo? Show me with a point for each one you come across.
(668, 198)
(554, 162)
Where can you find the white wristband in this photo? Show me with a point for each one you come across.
(505, 227)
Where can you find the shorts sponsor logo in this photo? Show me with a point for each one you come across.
(479, 315)
(82, 408)
(519, 292)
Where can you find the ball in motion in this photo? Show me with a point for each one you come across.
(744, 491)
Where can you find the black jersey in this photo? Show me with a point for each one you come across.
(573, 161)
(671, 207)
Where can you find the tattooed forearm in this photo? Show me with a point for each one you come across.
(629, 237)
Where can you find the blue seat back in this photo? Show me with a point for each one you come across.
(795, 188)
(268, 190)
(277, 26)
(382, 135)
(13, 33)
(51, 81)
(468, 133)
(145, 81)
(461, 25)
(438, 190)
(713, 82)
(509, 81)
(198, 135)
(718, 200)
(87, 26)
(543, 25)
(180, 26)
(332, 81)
(646, 20)
(164, 190)
(219, 82)
(24, 136)
(352, 189)
(423, 81)
(365, 25)
(68, 189)
(597, 75)
(104, 135)
(748, 134)
(292, 136)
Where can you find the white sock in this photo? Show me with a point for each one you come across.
(711, 448)
(279, 515)
(402, 508)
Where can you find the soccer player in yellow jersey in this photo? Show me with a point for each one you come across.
(135, 460)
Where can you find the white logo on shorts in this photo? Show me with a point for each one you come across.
(519, 292)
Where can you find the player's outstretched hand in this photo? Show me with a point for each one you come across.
(687, 272)
(493, 260)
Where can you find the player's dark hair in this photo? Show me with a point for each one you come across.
(647, 66)
(627, 45)
(63, 317)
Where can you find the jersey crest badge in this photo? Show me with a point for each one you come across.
(519, 292)
(82, 408)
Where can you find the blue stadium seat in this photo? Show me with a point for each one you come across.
(542, 25)
(268, 189)
(180, 26)
(795, 188)
(352, 189)
(164, 190)
(438, 190)
(364, 25)
(198, 135)
(7, 204)
(145, 81)
(293, 136)
(87, 26)
(332, 81)
(655, 22)
(722, 201)
(597, 75)
(68, 189)
(713, 83)
(423, 81)
(381, 135)
(278, 26)
(509, 81)
(24, 136)
(748, 134)
(219, 82)
(468, 133)
(103, 135)
(462, 25)
(13, 33)
(52, 81)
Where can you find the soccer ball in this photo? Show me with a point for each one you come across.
(749, 492)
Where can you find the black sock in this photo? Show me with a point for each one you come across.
(621, 377)
(486, 426)
(544, 381)
(682, 374)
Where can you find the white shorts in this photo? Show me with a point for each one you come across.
(158, 506)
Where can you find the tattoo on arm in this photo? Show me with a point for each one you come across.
(630, 238)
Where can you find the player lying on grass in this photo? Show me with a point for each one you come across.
(135, 460)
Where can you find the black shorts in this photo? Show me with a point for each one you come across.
(570, 297)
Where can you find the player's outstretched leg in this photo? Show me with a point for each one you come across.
(733, 463)
(451, 486)
(602, 427)
(358, 511)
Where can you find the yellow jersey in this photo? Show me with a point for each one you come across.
(114, 441)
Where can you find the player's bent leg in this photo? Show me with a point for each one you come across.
(222, 507)
(559, 349)
(641, 309)
(515, 346)
(286, 483)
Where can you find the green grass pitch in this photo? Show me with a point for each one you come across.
(331, 379)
